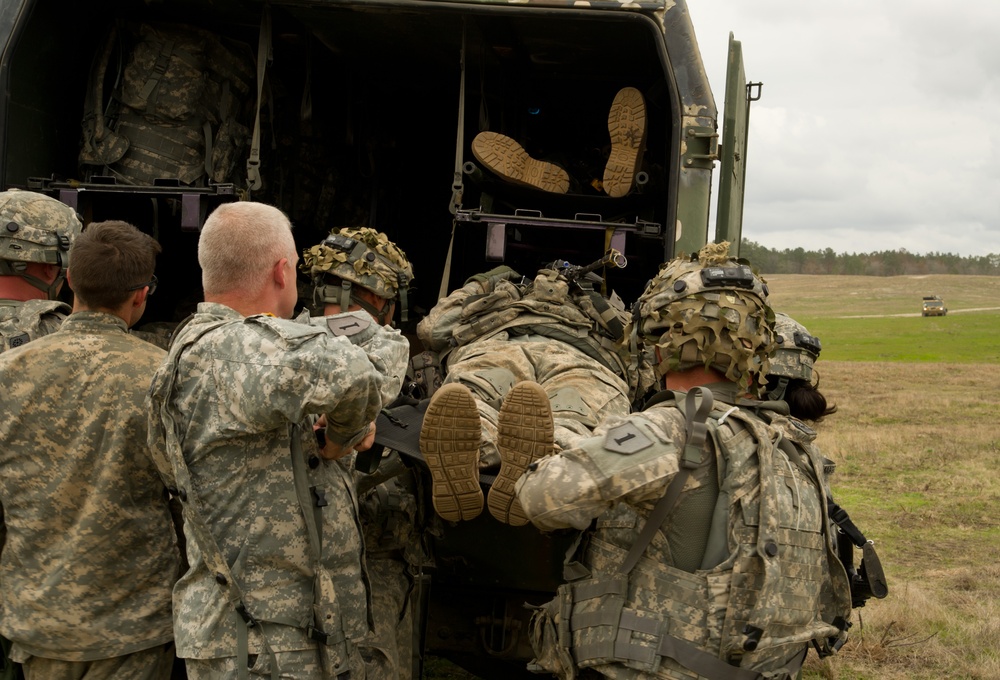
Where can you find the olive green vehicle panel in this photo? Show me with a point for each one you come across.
(732, 171)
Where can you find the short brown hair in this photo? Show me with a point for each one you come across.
(108, 259)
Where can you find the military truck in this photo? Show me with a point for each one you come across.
(362, 112)
(933, 306)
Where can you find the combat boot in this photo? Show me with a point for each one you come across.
(508, 159)
(449, 441)
(525, 433)
(627, 126)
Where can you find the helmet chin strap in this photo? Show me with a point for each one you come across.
(778, 393)
(51, 290)
(343, 295)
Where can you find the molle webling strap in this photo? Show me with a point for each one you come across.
(695, 414)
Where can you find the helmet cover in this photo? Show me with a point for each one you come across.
(796, 351)
(363, 256)
(36, 228)
(708, 309)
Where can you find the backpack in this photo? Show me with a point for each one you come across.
(179, 102)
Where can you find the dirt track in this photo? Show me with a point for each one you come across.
(950, 311)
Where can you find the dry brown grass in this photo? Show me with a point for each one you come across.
(917, 452)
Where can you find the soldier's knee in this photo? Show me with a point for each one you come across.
(490, 385)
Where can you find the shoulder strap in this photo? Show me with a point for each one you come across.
(194, 517)
(695, 417)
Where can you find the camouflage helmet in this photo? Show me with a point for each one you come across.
(708, 309)
(794, 355)
(360, 257)
(35, 228)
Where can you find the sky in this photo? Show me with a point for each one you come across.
(878, 126)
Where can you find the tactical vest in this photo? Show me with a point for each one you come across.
(761, 577)
(549, 307)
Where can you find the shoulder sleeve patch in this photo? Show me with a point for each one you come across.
(626, 439)
(18, 340)
(347, 325)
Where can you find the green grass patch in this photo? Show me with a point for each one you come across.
(957, 338)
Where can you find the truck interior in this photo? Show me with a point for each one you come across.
(367, 114)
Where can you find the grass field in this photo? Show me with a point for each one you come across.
(916, 441)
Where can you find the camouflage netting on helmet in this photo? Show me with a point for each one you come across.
(35, 228)
(796, 351)
(711, 310)
(363, 256)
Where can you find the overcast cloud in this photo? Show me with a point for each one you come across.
(879, 124)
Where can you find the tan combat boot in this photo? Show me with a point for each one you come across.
(525, 433)
(627, 125)
(508, 159)
(449, 441)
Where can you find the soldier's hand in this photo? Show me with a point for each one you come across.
(332, 451)
(369, 439)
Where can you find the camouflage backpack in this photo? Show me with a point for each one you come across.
(178, 107)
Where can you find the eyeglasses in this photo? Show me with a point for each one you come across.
(151, 284)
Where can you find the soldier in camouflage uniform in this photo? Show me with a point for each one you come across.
(556, 334)
(35, 235)
(361, 269)
(793, 378)
(91, 554)
(707, 550)
(277, 581)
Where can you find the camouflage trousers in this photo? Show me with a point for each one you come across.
(581, 390)
(149, 664)
(301, 664)
(388, 651)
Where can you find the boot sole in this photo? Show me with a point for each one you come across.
(524, 434)
(627, 126)
(449, 441)
(508, 159)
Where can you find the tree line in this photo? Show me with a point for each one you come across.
(882, 263)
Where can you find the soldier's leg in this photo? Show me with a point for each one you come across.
(149, 664)
(387, 655)
(489, 370)
(295, 665)
(582, 392)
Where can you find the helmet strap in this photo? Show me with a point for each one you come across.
(345, 295)
(51, 290)
(778, 393)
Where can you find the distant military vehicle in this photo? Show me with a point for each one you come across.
(362, 112)
(933, 306)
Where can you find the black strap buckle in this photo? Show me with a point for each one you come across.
(318, 635)
(247, 617)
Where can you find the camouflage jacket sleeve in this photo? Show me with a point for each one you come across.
(628, 459)
(327, 373)
(382, 343)
(435, 329)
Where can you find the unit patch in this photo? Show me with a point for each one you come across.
(626, 439)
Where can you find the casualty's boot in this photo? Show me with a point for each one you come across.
(449, 440)
(524, 434)
(627, 125)
(508, 159)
